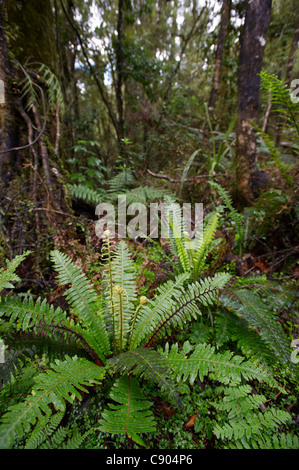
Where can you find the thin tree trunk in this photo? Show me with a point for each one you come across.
(253, 41)
(224, 23)
(7, 109)
(293, 49)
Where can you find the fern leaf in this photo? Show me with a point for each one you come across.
(84, 301)
(89, 195)
(245, 423)
(8, 274)
(132, 414)
(229, 327)
(204, 361)
(151, 314)
(204, 243)
(14, 360)
(120, 292)
(63, 383)
(259, 316)
(147, 364)
(187, 304)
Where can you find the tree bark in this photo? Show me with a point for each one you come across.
(119, 54)
(224, 23)
(253, 41)
(7, 110)
(293, 49)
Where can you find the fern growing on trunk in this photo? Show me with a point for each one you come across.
(117, 337)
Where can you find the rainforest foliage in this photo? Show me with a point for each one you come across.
(133, 337)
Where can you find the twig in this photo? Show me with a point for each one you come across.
(196, 179)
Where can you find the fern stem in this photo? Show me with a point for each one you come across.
(111, 289)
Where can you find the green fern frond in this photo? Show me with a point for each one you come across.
(186, 306)
(147, 364)
(256, 312)
(63, 383)
(54, 436)
(14, 361)
(277, 441)
(8, 274)
(43, 430)
(230, 327)
(144, 194)
(27, 313)
(121, 182)
(203, 361)
(55, 94)
(44, 321)
(84, 302)
(132, 415)
(245, 424)
(151, 314)
(87, 194)
(120, 291)
(280, 96)
(203, 245)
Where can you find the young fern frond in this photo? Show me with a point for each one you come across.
(132, 414)
(204, 245)
(120, 288)
(151, 314)
(63, 383)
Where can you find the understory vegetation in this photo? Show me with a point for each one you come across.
(148, 341)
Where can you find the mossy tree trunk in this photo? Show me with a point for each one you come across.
(33, 42)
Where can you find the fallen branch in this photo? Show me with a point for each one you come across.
(196, 179)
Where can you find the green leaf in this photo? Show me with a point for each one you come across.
(132, 414)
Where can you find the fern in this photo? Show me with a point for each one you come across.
(53, 435)
(13, 365)
(203, 361)
(187, 306)
(245, 424)
(114, 333)
(237, 220)
(64, 382)
(147, 364)
(87, 194)
(252, 308)
(8, 274)
(286, 108)
(132, 415)
(229, 327)
(192, 254)
(84, 302)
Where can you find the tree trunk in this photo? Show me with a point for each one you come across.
(224, 23)
(120, 79)
(7, 110)
(293, 49)
(253, 41)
